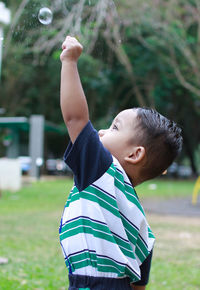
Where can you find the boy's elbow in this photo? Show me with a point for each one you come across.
(74, 121)
(74, 116)
(74, 127)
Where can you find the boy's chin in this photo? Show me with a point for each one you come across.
(101, 139)
(105, 145)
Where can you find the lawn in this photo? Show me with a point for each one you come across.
(165, 188)
(29, 222)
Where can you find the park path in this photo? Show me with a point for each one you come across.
(174, 206)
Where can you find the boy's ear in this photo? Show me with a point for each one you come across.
(137, 154)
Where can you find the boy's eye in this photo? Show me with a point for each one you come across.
(114, 127)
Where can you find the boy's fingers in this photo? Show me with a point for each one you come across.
(70, 40)
(69, 45)
(71, 48)
(63, 45)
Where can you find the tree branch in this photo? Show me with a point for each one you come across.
(180, 76)
(13, 25)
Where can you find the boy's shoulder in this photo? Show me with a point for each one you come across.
(87, 157)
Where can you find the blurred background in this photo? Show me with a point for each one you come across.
(136, 53)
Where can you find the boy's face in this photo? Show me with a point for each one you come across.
(117, 138)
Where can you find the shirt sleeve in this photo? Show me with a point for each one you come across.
(87, 157)
(145, 271)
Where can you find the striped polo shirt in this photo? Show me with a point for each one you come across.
(103, 230)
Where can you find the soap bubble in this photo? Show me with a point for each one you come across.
(45, 16)
(1, 38)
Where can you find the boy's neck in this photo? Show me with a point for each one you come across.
(135, 181)
(133, 174)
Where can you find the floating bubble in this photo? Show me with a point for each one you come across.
(45, 16)
(1, 38)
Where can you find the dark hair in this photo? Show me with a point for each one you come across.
(161, 138)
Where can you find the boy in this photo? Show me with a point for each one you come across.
(104, 235)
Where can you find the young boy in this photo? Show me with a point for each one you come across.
(106, 240)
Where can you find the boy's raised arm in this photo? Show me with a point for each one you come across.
(72, 98)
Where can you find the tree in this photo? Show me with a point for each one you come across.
(136, 53)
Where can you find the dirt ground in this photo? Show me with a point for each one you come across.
(176, 226)
(177, 238)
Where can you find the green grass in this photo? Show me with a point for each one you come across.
(29, 222)
(166, 188)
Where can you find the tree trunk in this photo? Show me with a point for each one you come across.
(190, 154)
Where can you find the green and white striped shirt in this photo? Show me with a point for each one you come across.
(104, 231)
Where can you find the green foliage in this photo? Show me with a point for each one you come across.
(161, 43)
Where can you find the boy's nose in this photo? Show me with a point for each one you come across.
(101, 133)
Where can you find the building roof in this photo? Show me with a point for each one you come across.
(22, 124)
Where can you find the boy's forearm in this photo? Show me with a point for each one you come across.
(73, 102)
(72, 98)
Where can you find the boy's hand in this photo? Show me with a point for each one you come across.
(71, 49)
